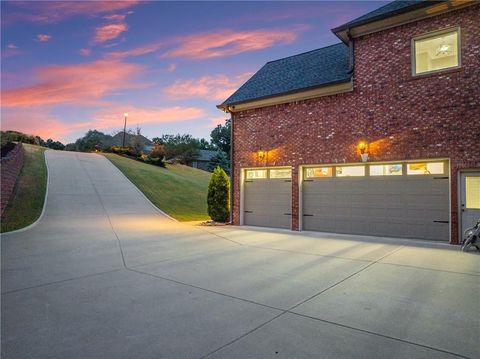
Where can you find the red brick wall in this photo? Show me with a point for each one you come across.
(402, 117)
(10, 167)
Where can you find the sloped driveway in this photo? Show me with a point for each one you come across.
(106, 275)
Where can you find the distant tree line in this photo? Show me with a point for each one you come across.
(15, 136)
(179, 148)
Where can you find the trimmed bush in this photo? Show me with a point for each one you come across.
(218, 198)
(153, 161)
(158, 151)
(119, 150)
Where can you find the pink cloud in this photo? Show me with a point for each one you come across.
(112, 117)
(48, 12)
(43, 38)
(228, 42)
(216, 88)
(215, 121)
(109, 32)
(73, 84)
(10, 51)
(217, 43)
(115, 17)
(138, 51)
(36, 123)
(85, 52)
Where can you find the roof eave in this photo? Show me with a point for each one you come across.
(342, 31)
(230, 107)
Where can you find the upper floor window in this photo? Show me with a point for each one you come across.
(436, 51)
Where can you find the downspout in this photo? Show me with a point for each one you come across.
(231, 164)
(351, 47)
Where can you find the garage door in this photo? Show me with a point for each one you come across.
(267, 198)
(397, 199)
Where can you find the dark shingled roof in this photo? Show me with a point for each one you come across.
(311, 69)
(390, 9)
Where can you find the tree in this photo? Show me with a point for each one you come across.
(92, 140)
(158, 151)
(218, 198)
(70, 147)
(54, 145)
(202, 144)
(182, 148)
(220, 137)
(137, 141)
(219, 160)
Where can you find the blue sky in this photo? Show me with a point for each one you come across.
(71, 66)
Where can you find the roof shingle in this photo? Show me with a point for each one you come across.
(311, 69)
(390, 9)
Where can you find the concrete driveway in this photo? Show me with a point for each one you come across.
(105, 275)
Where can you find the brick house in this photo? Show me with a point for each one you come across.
(377, 135)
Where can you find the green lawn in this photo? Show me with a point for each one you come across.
(178, 190)
(27, 199)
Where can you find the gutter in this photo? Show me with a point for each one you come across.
(349, 25)
(230, 107)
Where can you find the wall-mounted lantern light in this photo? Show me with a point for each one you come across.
(262, 155)
(363, 148)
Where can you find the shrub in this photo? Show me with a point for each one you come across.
(153, 160)
(7, 147)
(129, 151)
(158, 151)
(218, 198)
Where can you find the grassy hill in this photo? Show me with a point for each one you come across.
(178, 190)
(28, 196)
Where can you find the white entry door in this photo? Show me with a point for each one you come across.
(470, 199)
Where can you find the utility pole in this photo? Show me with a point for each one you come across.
(124, 129)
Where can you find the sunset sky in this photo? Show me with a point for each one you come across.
(76, 65)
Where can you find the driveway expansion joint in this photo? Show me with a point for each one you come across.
(62, 281)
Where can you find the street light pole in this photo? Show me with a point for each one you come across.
(124, 129)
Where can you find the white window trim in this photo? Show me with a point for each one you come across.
(434, 34)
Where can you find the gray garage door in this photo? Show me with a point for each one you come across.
(397, 200)
(267, 198)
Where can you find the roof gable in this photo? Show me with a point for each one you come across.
(308, 70)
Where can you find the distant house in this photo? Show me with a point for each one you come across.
(204, 157)
(145, 143)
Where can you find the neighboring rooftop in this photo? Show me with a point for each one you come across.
(304, 71)
(206, 155)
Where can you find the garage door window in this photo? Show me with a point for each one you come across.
(386, 170)
(281, 173)
(425, 168)
(350, 171)
(319, 172)
(256, 174)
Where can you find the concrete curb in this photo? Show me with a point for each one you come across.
(44, 203)
(139, 191)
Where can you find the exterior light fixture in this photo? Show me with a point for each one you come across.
(262, 155)
(362, 147)
(125, 115)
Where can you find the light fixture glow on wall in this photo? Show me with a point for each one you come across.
(363, 148)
